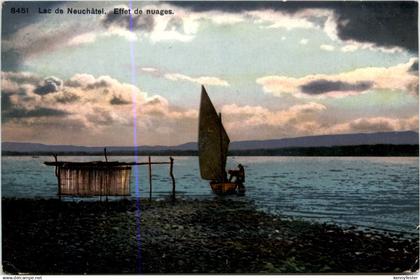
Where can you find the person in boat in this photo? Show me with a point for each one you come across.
(239, 175)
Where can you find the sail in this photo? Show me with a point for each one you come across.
(213, 141)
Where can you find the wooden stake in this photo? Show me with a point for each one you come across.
(173, 178)
(150, 179)
(106, 158)
(57, 174)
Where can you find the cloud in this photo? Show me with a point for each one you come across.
(278, 19)
(414, 67)
(119, 100)
(211, 81)
(352, 46)
(17, 113)
(66, 97)
(126, 25)
(324, 86)
(149, 69)
(303, 41)
(89, 110)
(202, 80)
(376, 124)
(35, 39)
(94, 107)
(257, 122)
(144, 22)
(327, 47)
(84, 38)
(398, 77)
(385, 24)
(49, 85)
(380, 24)
(180, 27)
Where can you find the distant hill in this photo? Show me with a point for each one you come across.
(393, 138)
(384, 138)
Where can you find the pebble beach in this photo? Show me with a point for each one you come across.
(214, 236)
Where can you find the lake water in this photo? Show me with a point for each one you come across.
(370, 192)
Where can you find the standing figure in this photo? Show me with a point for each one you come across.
(239, 175)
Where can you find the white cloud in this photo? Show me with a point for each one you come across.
(352, 46)
(276, 19)
(149, 69)
(349, 48)
(202, 80)
(211, 81)
(84, 38)
(327, 47)
(304, 41)
(124, 33)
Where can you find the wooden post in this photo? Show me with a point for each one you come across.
(173, 178)
(106, 187)
(57, 174)
(106, 179)
(150, 179)
(106, 158)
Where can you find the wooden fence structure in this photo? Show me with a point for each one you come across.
(101, 178)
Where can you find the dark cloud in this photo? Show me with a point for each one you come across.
(67, 97)
(49, 85)
(154, 101)
(118, 100)
(5, 100)
(15, 50)
(20, 78)
(241, 6)
(72, 83)
(101, 117)
(414, 68)
(97, 84)
(325, 86)
(12, 58)
(16, 21)
(385, 24)
(136, 23)
(388, 24)
(20, 113)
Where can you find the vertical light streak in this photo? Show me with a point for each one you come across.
(135, 167)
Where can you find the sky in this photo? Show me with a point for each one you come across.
(273, 69)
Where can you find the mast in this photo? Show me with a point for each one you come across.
(221, 144)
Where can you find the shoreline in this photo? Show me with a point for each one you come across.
(367, 150)
(191, 236)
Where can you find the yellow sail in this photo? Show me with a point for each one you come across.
(213, 141)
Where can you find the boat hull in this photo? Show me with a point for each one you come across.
(226, 188)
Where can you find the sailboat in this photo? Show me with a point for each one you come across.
(213, 145)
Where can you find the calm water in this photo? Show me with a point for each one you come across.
(380, 193)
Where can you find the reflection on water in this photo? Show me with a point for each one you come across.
(378, 192)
